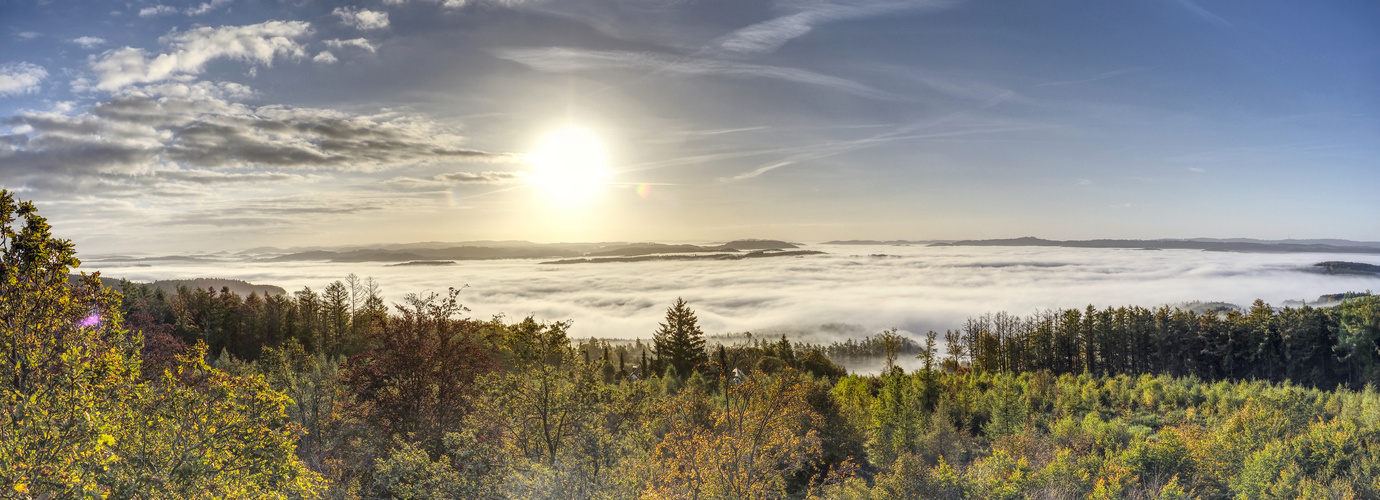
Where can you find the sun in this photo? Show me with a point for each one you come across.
(569, 166)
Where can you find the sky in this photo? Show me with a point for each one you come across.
(229, 124)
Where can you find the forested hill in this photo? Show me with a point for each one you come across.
(170, 286)
(1208, 245)
(237, 287)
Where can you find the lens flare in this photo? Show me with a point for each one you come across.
(644, 190)
(90, 321)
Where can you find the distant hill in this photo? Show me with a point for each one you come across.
(888, 242)
(424, 263)
(423, 252)
(700, 256)
(653, 248)
(754, 244)
(432, 254)
(1211, 246)
(242, 288)
(1321, 241)
(1339, 267)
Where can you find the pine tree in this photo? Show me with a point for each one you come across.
(679, 341)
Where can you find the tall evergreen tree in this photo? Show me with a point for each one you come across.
(679, 341)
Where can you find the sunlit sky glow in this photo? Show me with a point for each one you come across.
(175, 126)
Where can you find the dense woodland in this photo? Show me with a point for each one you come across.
(138, 393)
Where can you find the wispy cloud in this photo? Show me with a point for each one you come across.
(164, 10)
(157, 10)
(206, 7)
(1204, 14)
(459, 178)
(903, 133)
(358, 43)
(768, 36)
(569, 60)
(191, 50)
(88, 42)
(1096, 77)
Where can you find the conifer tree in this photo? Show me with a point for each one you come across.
(679, 341)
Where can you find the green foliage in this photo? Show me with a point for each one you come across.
(679, 341)
(1320, 347)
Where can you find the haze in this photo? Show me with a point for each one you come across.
(850, 291)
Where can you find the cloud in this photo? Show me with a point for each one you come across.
(459, 178)
(362, 19)
(270, 212)
(919, 289)
(325, 57)
(157, 10)
(163, 10)
(206, 7)
(359, 43)
(569, 60)
(456, 4)
(175, 136)
(198, 91)
(20, 78)
(765, 37)
(824, 150)
(480, 178)
(211, 177)
(88, 42)
(1204, 14)
(190, 51)
(1093, 78)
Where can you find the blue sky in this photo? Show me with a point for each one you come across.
(152, 126)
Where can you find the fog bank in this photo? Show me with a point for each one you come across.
(863, 288)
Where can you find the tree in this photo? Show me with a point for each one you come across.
(1358, 338)
(77, 421)
(336, 315)
(547, 397)
(65, 358)
(749, 449)
(203, 433)
(679, 341)
(418, 377)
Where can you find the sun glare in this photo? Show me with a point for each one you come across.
(570, 166)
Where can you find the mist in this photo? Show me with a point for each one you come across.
(850, 291)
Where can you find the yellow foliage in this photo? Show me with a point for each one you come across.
(761, 434)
